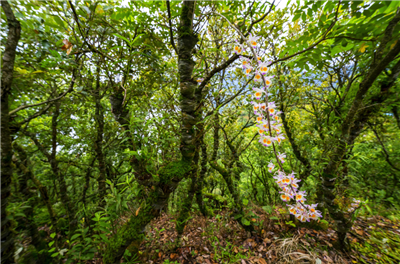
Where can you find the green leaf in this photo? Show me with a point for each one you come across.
(38, 72)
(55, 254)
(245, 201)
(136, 39)
(237, 216)
(349, 46)
(245, 221)
(104, 238)
(267, 209)
(290, 223)
(59, 21)
(335, 50)
(75, 236)
(369, 209)
(297, 16)
(121, 37)
(20, 214)
(274, 218)
(51, 243)
(53, 235)
(87, 9)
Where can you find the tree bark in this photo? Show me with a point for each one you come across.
(131, 234)
(187, 39)
(296, 150)
(329, 174)
(203, 172)
(228, 173)
(60, 176)
(29, 224)
(98, 146)
(13, 36)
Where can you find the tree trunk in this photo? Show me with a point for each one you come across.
(13, 35)
(99, 117)
(29, 224)
(60, 176)
(189, 103)
(330, 171)
(169, 177)
(203, 171)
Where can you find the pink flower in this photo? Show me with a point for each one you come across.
(253, 41)
(238, 49)
(258, 93)
(245, 62)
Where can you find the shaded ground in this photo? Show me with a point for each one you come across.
(221, 239)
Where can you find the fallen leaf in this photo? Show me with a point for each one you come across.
(262, 261)
(137, 211)
(235, 249)
(360, 232)
(267, 240)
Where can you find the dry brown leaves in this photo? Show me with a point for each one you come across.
(67, 46)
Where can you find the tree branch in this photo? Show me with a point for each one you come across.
(170, 27)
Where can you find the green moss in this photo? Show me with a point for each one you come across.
(216, 197)
(176, 170)
(132, 233)
(320, 225)
(185, 20)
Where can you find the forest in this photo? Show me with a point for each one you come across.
(247, 131)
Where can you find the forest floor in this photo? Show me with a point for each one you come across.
(220, 239)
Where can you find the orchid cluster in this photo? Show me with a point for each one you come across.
(354, 205)
(269, 129)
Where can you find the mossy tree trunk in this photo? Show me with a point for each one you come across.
(13, 36)
(22, 163)
(191, 114)
(98, 146)
(173, 173)
(230, 174)
(203, 172)
(54, 164)
(169, 177)
(329, 176)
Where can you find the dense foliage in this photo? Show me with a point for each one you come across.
(113, 113)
